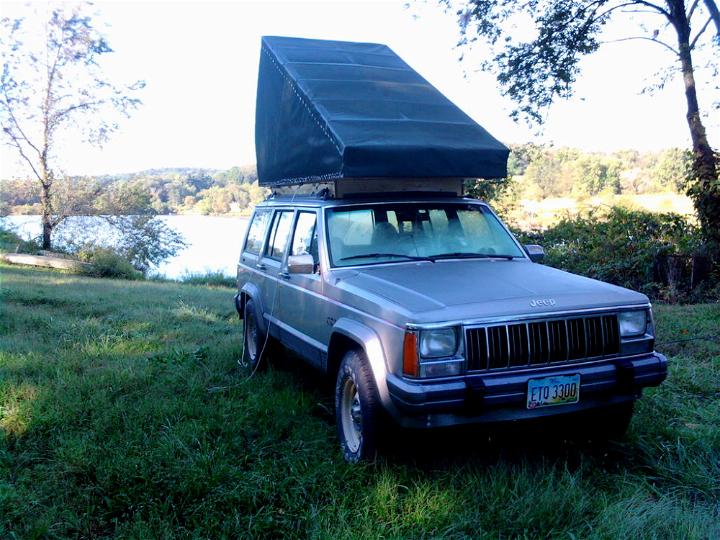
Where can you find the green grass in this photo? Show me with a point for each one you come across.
(123, 413)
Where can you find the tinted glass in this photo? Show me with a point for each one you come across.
(280, 234)
(305, 239)
(256, 232)
(396, 232)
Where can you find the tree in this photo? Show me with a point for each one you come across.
(124, 223)
(53, 89)
(535, 72)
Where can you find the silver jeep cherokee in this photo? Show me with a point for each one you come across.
(426, 310)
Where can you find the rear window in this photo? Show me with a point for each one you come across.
(256, 232)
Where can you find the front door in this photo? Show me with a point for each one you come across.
(301, 303)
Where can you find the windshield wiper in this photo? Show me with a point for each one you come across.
(374, 255)
(466, 255)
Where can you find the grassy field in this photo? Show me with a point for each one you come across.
(123, 412)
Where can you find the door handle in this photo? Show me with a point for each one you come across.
(284, 275)
(261, 266)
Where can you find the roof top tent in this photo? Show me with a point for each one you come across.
(334, 110)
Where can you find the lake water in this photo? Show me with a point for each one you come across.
(213, 242)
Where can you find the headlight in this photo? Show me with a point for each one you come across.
(632, 323)
(437, 343)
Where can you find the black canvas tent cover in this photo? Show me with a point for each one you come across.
(334, 109)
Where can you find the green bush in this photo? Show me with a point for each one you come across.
(11, 242)
(105, 262)
(618, 245)
(214, 279)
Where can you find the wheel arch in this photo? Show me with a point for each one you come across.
(347, 335)
(250, 291)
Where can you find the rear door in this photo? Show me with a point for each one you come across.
(252, 249)
(271, 261)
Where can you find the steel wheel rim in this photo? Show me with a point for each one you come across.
(351, 415)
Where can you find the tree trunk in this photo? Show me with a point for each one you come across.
(46, 182)
(47, 225)
(705, 189)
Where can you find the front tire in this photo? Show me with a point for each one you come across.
(614, 422)
(357, 408)
(605, 424)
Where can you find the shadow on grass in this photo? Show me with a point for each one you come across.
(546, 440)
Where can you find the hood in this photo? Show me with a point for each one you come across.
(475, 289)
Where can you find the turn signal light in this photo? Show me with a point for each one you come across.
(410, 355)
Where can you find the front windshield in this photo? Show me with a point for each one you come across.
(396, 232)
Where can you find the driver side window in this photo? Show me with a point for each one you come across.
(305, 236)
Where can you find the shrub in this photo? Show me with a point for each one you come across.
(105, 262)
(11, 242)
(622, 246)
(214, 279)
(143, 240)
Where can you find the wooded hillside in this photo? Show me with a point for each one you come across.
(536, 173)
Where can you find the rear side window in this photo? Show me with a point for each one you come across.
(256, 232)
(280, 234)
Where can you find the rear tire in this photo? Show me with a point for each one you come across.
(358, 412)
(256, 344)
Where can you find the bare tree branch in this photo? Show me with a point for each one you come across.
(692, 9)
(614, 8)
(645, 38)
(16, 123)
(715, 14)
(17, 144)
(700, 33)
(655, 7)
(80, 106)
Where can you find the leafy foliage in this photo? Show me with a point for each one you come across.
(52, 89)
(209, 279)
(163, 191)
(535, 72)
(617, 245)
(539, 65)
(11, 242)
(145, 241)
(704, 189)
(106, 262)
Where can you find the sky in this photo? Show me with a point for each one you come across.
(200, 61)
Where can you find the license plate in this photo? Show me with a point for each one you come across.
(553, 391)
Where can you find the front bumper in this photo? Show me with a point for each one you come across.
(501, 396)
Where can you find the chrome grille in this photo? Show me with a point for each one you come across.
(533, 343)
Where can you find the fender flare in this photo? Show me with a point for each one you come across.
(250, 290)
(372, 346)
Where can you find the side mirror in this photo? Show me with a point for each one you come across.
(535, 252)
(301, 264)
